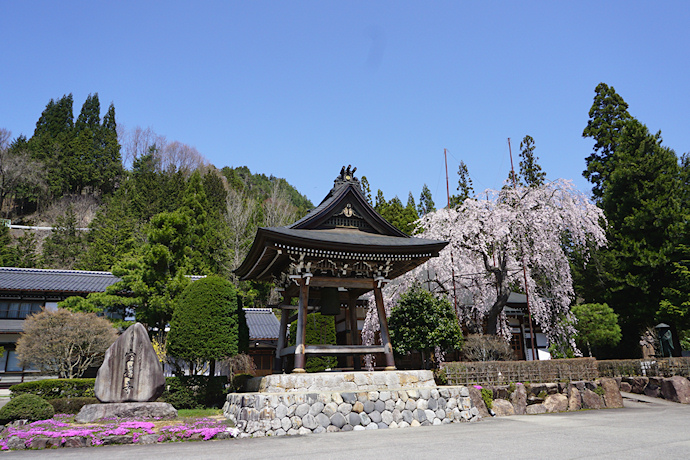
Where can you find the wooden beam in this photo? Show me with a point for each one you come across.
(344, 349)
(348, 283)
(282, 340)
(385, 337)
(300, 342)
(354, 332)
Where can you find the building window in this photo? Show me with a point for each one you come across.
(18, 310)
(9, 362)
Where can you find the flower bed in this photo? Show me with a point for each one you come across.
(61, 431)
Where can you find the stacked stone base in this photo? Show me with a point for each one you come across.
(298, 413)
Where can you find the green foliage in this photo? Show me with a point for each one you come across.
(205, 323)
(426, 203)
(488, 397)
(530, 171)
(8, 256)
(71, 405)
(401, 217)
(65, 244)
(195, 391)
(607, 116)
(239, 382)
(49, 389)
(320, 331)
(440, 376)
(26, 407)
(597, 325)
(600, 391)
(420, 321)
(464, 186)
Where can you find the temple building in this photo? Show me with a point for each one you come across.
(340, 250)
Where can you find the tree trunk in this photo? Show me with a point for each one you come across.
(212, 368)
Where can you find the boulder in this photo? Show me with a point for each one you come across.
(502, 408)
(93, 412)
(591, 400)
(574, 401)
(556, 403)
(638, 384)
(535, 409)
(612, 395)
(626, 387)
(519, 400)
(653, 391)
(130, 371)
(478, 401)
(676, 389)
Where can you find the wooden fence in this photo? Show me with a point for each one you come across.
(504, 372)
(660, 367)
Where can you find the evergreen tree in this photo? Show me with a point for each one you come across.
(420, 321)
(607, 117)
(597, 325)
(65, 245)
(366, 189)
(464, 186)
(426, 203)
(205, 324)
(530, 171)
(8, 257)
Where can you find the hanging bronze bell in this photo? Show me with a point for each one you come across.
(330, 301)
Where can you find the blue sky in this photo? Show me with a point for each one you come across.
(298, 89)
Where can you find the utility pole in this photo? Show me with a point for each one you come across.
(524, 270)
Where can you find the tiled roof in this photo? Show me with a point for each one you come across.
(34, 279)
(263, 324)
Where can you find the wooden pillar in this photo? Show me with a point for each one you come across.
(354, 332)
(300, 342)
(279, 363)
(385, 336)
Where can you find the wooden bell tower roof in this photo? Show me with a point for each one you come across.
(342, 237)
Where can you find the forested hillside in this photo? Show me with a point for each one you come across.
(141, 197)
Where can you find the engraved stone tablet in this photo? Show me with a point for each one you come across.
(131, 371)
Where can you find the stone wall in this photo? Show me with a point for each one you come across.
(676, 389)
(292, 413)
(543, 398)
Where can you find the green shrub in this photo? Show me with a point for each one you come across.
(26, 407)
(320, 331)
(56, 388)
(488, 397)
(239, 382)
(195, 391)
(600, 391)
(511, 388)
(542, 394)
(440, 377)
(71, 405)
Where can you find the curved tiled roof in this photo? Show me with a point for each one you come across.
(262, 323)
(34, 279)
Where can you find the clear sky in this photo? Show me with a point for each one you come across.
(298, 89)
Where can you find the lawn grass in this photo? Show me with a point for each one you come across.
(186, 413)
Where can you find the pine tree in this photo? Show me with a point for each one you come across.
(65, 245)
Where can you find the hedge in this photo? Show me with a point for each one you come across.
(71, 405)
(195, 391)
(56, 388)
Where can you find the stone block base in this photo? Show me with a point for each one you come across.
(342, 381)
(306, 412)
(93, 412)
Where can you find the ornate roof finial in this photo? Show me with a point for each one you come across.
(346, 175)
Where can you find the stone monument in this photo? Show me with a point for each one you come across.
(129, 380)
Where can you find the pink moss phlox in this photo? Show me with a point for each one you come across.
(478, 387)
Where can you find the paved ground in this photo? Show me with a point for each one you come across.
(652, 429)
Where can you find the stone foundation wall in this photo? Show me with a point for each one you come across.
(292, 413)
(543, 398)
(676, 389)
(342, 381)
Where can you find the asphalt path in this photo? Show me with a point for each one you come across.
(645, 428)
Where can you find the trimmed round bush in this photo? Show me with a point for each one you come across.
(26, 407)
